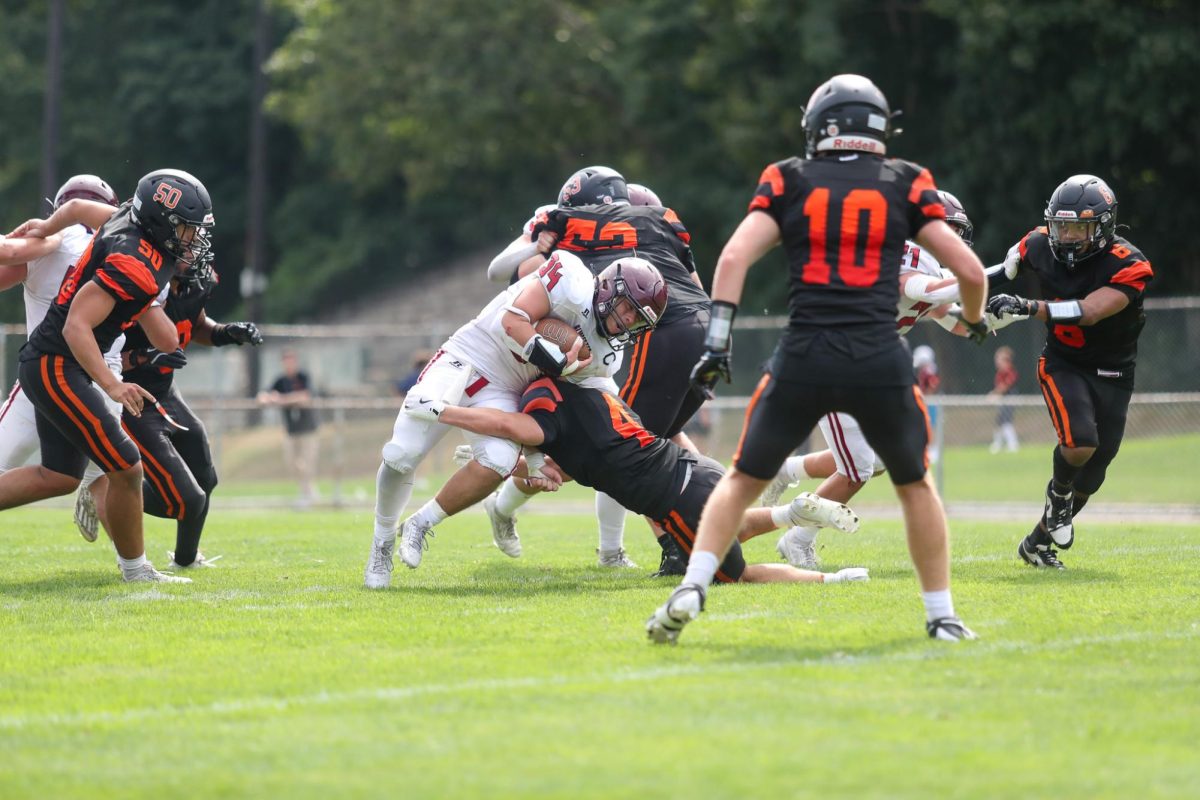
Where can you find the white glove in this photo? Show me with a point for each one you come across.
(463, 455)
(1012, 262)
(423, 408)
(847, 575)
(996, 323)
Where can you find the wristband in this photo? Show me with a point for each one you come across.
(720, 325)
(545, 355)
(1064, 312)
(220, 337)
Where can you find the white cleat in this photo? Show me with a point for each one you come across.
(683, 606)
(848, 575)
(949, 629)
(378, 574)
(504, 529)
(148, 574)
(615, 558)
(797, 550)
(413, 542)
(776, 487)
(201, 561)
(808, 508)
(86, 518)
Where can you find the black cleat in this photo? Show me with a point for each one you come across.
(1057, 518)
(674, 560)
(1036, 555)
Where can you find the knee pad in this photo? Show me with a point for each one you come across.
(400, 458)
(499, 455)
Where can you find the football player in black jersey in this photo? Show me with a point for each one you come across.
(179, 476)
(597, 220)
(597, 440)
(1092, 283)
(842, 215)
(164, 228)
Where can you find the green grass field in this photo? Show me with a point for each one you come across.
(277, 675)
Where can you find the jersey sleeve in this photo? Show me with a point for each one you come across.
(924, 205)
(683, 244)
(568, 283)
(769, 195)
(1132, 276)
(541, 401)
(127, 277)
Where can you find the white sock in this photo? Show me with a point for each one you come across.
(938, 604)
(795, 469)
(131, 565)
(430, 514)
(611, 516)
(702, 566)
(510, 499)
(392, 493)
(806, 534)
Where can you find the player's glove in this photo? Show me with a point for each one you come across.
(157, 358)
(554, 221)
(238, 333)
(463, 455)
(714, 364)
(423, 408)
(1011, 305)
(977, 332)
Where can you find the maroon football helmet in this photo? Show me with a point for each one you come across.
(641, 284)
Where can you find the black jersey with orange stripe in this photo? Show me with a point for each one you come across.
(844, 220)
(601, 443)
(1111, 343)
(184, 306)
(601, 234)
(122, 262)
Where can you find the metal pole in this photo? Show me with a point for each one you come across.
(54, 24)
(254, 279)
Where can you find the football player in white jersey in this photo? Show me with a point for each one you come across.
(926, 289)
(39, 263)
(488, 363)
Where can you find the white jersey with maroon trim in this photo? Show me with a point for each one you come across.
(44, 276)
(570, 287)
(918, 260)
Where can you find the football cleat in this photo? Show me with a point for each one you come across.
(615, 558)
(378, 574)
(848, 575)
(146, 573)
(683, 606)
(776, 487)
(86, 518)
(504, 529)
(949, 629)
(199, 561)
(1057, 517)
(809, 508)
(797, 550)
(674, 561)
(413, 542)
(1036, 555)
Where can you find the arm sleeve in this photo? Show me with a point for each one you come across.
(504, 265)
(917, 288)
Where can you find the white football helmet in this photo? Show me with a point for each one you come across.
(87, 187)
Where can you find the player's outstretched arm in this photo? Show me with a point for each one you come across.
(17, 251)
(511, 425)
(953, 254)
(91, 213)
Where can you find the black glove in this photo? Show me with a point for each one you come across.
(1011, 305)
(157, 358)
(554, 221)
(238, 333)
(977, 332)
(714, 364)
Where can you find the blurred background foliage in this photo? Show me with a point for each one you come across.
(406, 133)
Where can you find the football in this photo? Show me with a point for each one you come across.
(562, 334)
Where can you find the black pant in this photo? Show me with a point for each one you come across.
(655, 378)
(683, 520)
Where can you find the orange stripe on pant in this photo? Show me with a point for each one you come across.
(920, 398)
(758, 390)
(1055, 402)
(690, 536)
(637, 369)
(156, 473)
(97, 426)
(58, 401)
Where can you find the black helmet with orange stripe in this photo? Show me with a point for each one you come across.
(1082, 219)
(175, 211)
(592, 186)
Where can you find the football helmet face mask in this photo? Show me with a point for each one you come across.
(629, 284)
(175, 211)
(956, 217)
(1081, 218)
(847, 112)
(86, 187)
(592, 186)
(642, 196)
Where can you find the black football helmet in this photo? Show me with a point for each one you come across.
(592, 186)
(1082, 219)
(168, 198)
(639, 282)
(956, 217)
(847, 112)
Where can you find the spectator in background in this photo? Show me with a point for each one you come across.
(926, 369)
(1005, 434)
(292, 392)
(420, 359)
